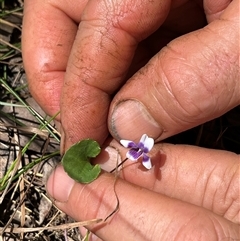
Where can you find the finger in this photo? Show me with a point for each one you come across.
(143, 215)
(214, 9)
(101, 55)
(49, 30)
(194, 79)
(203, 177)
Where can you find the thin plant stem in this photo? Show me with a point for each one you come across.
(121, 163)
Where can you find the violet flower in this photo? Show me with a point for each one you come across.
(139, 149)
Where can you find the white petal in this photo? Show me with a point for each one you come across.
(148, 142)
(143, 138)
(125, 143)
(147, 164)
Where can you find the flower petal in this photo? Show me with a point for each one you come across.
(148, 143)
(143, 138)
(128, 144)
(133, 154)
(147, 161)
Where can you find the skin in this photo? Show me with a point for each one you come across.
(109, 70)
(190, 194)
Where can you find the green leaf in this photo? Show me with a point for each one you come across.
(76, 161)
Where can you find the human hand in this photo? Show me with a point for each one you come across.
(190, 194)
(192, 80)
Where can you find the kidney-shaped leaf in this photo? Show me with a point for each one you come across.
(76, 161)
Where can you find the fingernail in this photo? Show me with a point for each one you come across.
(59, 185)
(131, 119)
(108, 158)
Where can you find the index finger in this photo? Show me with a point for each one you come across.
(101, 55)
(49, 29)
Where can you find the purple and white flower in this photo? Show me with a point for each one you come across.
(139, 149)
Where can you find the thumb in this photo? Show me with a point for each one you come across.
(192, 80)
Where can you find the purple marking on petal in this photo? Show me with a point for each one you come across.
(133, 154)
(147, 161)
(140, 145)
(127, 143)
(138, 149)
(145, 150)
(145, 158)
(132, 145)
(147, 164)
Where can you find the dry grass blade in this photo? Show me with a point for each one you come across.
(57, 227)
(23, 206)
(10, 45)
(28, 129)
(2, 21)
(18, 161)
